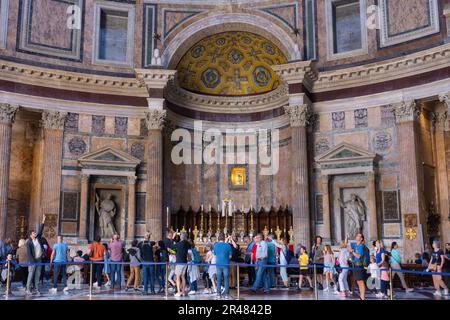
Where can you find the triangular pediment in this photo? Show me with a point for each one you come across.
(108, 156)
(345, 152)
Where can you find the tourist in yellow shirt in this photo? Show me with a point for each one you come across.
(303, 261)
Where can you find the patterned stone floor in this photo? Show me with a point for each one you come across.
(245, 294)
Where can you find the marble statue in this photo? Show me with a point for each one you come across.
(355, 215)
(106, 210)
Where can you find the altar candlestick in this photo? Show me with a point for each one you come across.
(242, 208)
(167, 217)
(210, 207)
(202, 207)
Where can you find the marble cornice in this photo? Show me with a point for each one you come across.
(227, 104)
(417, 63)
(73, 81)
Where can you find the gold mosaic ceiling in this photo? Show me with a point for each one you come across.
(230, 63)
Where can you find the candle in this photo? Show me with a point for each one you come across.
(251, 207)
(167, 217)
(202, 206)
(210, 207)
(242, 208)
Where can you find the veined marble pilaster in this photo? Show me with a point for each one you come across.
(53, 125)
(7, 114)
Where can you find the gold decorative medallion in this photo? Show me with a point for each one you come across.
(411, 234)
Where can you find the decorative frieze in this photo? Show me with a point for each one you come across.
(298, 115)
(154, 78)
(7, 112)
(155, 119)
(53, 120)
(406, 111)
(303, 72)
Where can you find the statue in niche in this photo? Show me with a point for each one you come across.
(106, 210)
(355, 215)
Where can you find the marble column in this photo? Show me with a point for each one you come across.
(84, 197)
(53, 125)
(299, 115)
(154, 212)
(372, 207)
(131, 208)
(406, 115)
(7, 114)
(325, 189)
(442, 133)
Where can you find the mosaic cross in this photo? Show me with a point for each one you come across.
(237, 79)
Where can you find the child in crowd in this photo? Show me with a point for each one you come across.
(374, 271)
(329, 270)
(344, 257)
(172, 260)
(107, 266)
(303, 262)
(384, 277)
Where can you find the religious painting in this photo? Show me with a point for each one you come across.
(238, 177)
(410, 220)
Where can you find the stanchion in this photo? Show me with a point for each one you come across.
(238, 283)
(167, 280)
(316, 292)
(8, 276)
(90, 279)
(391, 286)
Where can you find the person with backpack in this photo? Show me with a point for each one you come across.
(361, 260)
(148, 270)
(193, 269)
(284, 258)
(135, 264)
(161, 256)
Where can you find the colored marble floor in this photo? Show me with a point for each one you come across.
(245, 294)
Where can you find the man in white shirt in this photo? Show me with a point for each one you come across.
(261, 261)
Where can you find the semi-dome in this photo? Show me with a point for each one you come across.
(230, 63)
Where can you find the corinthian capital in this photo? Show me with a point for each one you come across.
(298, 115)
(53, 119)
(440, 120)
(445, 98)
(7, 113)
(155, 119)
(406, 111)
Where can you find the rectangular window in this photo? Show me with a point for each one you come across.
(319, 208)
(70, 201)
(346, 28)
(149, 27)
(3, 23)
(140, 207)
(310, 29)
(114, 34)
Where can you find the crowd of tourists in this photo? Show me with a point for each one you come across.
(149, 260)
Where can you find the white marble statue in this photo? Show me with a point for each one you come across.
(106, 210)
(355, 215)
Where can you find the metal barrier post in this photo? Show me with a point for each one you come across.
(391, 285)
(167, 280)
(316, 292)
(8, 276)
(90, 279)
(238, 283)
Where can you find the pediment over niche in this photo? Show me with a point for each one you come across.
(107, 158)
(346, 158)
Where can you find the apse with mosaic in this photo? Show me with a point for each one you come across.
(230, 63)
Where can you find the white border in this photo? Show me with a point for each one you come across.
(330, 31)
(4, 23)
(129, 9)
(386, 41)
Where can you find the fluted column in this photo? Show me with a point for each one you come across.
(155, 121)
(84, 196)
(131, 207)
(442, 132)
(372, 206)
(406, 114)
(299, 115)
(53, 125)
(7, 114)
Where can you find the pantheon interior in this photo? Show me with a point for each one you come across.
(353, 94)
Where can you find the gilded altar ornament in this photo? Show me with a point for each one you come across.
(195, 232)
(183, 230)
(411, 234)
(278, 233)
(265, 232)
(291, 235)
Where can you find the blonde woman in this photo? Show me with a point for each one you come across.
(436, 265)
(329, 270)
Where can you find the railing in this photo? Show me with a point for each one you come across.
(167, 265)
